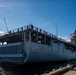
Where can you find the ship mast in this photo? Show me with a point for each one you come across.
(57, 26)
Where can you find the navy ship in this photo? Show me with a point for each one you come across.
(30, 44)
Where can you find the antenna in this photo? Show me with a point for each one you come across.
(57, 26)
(5, 24)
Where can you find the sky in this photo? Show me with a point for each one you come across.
(44, 14)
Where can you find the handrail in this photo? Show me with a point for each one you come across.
(30, 26)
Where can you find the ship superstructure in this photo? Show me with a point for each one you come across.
(31, 44)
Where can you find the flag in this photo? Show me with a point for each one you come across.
(72, 35)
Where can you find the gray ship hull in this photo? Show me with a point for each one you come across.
(45, 53)
(30, 44)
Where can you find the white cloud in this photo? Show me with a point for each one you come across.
(66, 38)
(2, 33)
(8, 4)
(26, 4)
(14, 4)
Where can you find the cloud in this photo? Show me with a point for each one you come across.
(8, 4)
(66, 38)
(2, 33)
(13, 6)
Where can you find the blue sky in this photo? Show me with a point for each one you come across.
(45, 14)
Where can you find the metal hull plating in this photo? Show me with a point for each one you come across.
(45, 53)
(35, 52)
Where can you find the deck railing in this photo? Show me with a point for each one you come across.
(30, 26)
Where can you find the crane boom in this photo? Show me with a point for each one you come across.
(5, 24)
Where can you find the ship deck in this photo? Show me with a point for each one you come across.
(37, 35)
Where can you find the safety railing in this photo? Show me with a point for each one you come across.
(30, 26)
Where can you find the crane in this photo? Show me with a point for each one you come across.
(5, 24)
